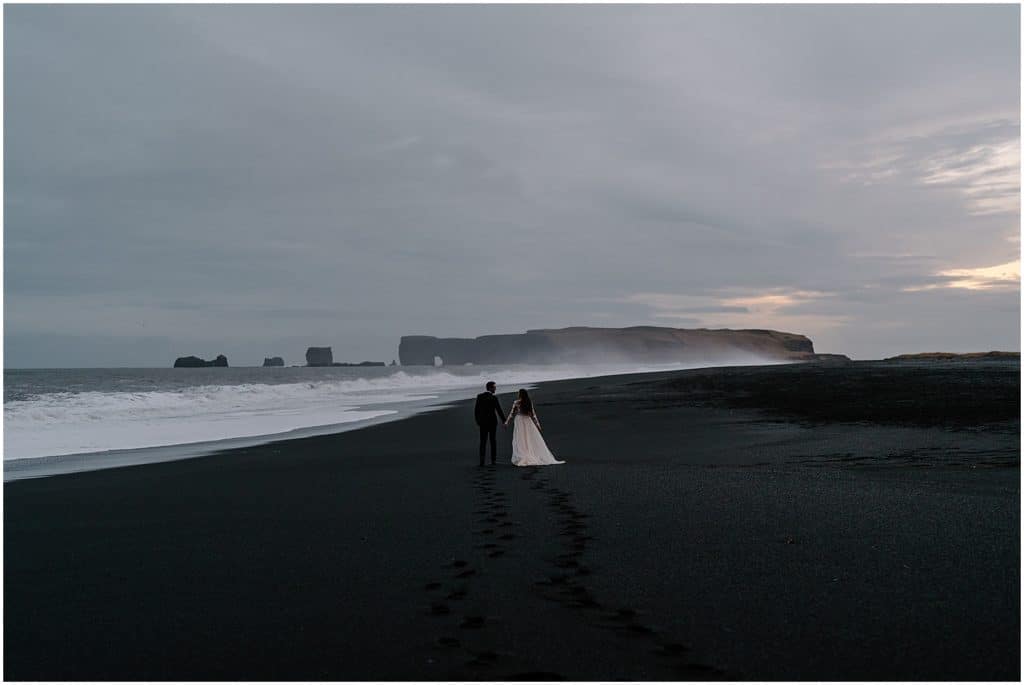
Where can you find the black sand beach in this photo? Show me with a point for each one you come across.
(845, 522)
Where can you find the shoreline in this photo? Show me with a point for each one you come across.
(21, 468)
(687, 538)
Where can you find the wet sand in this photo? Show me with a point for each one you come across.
(844, 522)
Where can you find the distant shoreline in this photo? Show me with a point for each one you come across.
(922, 356)
(954, 356)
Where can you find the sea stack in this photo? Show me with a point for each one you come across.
(192, 362)
(319, 356)
(273, 361)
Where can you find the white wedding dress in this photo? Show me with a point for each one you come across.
(528, 446)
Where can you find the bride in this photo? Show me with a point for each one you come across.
(528, 447)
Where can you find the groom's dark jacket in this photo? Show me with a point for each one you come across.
(486, 406)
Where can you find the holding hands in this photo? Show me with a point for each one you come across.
(512, 413)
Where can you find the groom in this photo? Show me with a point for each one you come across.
(486, 407)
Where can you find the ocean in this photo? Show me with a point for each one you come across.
(65, 420)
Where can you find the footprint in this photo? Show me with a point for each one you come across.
(431, 586)
(557, 579)
(671, 649)
(439, 609)
(496, 553)
(486, 657)
(579, 596)
(466, 574)
(585, 603)
(638, 628)
(472, 622)
(459, 563)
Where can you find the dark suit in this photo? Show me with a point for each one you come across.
(487, 406)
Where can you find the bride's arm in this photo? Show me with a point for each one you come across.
(512, 412)
(536, 421)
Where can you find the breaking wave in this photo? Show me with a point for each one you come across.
(50, 415)
(60, 423)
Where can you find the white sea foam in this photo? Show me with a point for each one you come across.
(73, 423)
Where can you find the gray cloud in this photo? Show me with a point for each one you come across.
(254, 179)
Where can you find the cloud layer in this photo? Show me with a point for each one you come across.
(255, 179)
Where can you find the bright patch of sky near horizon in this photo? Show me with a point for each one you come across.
(252, 180)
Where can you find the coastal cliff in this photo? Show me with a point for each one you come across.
(588, 345)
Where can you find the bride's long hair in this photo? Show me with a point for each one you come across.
(525, 405)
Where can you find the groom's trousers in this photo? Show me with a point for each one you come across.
(491, 433)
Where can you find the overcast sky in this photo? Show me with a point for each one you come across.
(252, 180)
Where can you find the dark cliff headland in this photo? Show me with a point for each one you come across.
(650, 344)
(856, 521)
